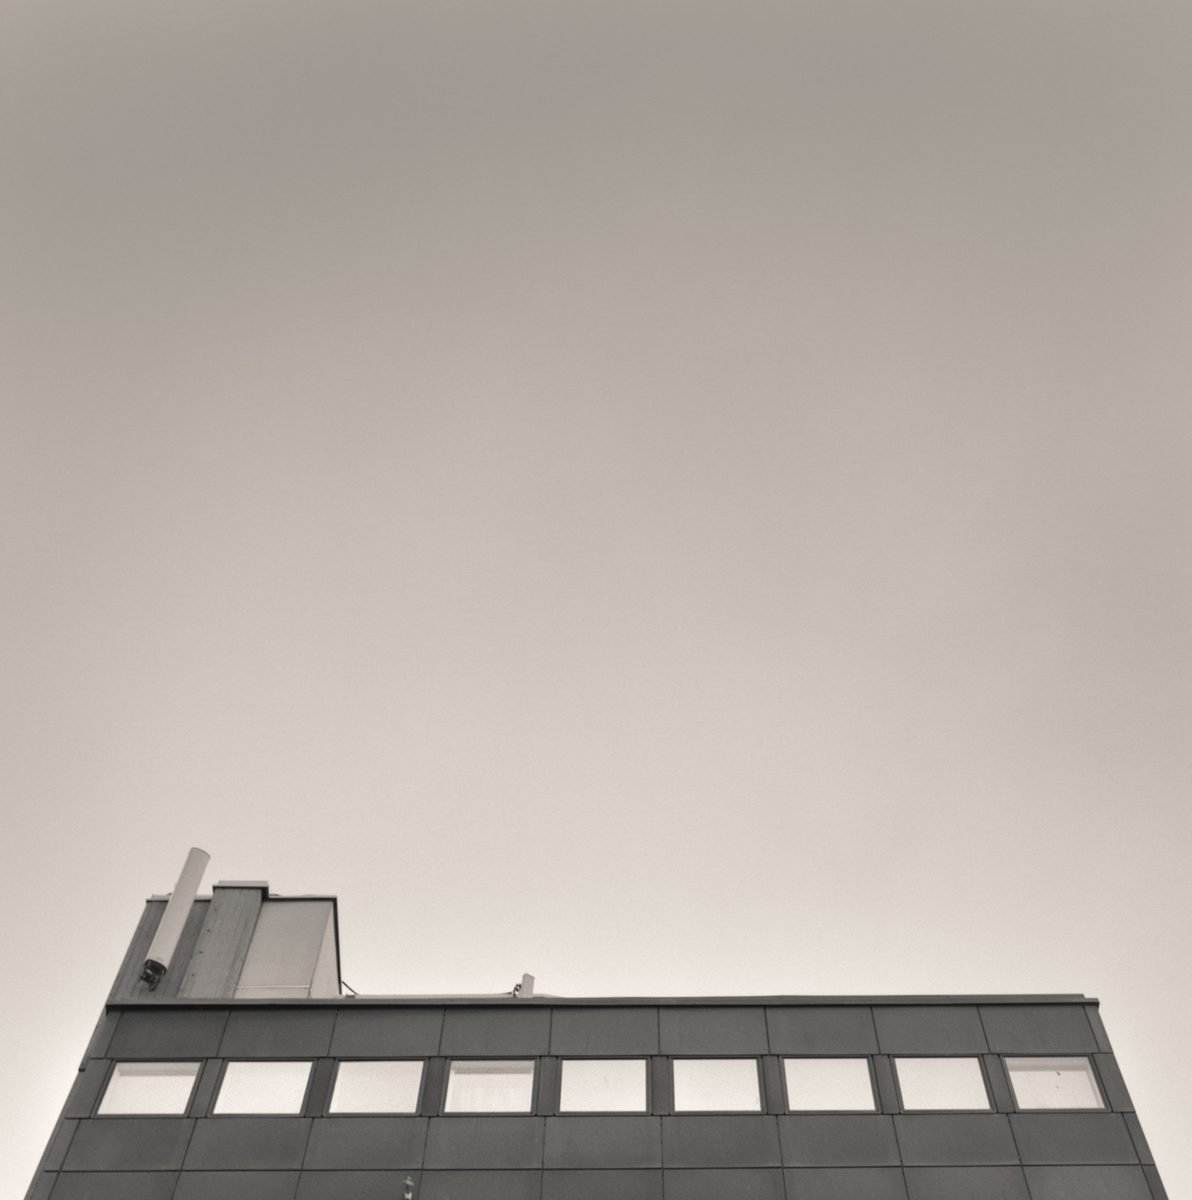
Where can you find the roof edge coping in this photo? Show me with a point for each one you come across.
(508, 1001)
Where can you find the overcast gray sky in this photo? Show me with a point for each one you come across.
(672, 497)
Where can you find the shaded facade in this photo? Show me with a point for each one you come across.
(245, 1075)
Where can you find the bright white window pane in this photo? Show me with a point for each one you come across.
(603, 1085)
(1054, 1083)
(931, 1083)
(147, 1087)
(490, 1086)
(378, 1087)
(716, 1085)
(263, 1087)
(829, 1085)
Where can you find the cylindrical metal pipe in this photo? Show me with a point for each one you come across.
(169, 930)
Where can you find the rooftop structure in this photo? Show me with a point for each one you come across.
(228, 1065)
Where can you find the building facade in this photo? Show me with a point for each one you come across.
(238, 1071)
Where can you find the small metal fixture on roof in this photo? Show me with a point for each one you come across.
(525, 989)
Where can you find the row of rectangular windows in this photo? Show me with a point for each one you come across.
(609, 1085)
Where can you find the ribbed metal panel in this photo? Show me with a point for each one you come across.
(223, 943)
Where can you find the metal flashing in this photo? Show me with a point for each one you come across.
(504, 999)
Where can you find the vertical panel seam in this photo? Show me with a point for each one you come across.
(898, 1145)
(194, 1124)
(984, 1031)
(777, 1123)
(310, 1129)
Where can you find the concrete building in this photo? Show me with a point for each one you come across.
(227, 1065)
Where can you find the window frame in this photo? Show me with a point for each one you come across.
(646, 1108)
(116, 1063)
(739, 1112)
(869, 1066)
(895, 1059)
(535, 1062)
(1094, 1076)
(419, 1099)
(223, 1074)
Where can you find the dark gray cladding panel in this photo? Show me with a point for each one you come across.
(1038, 1029)
(930, 1029)
(838, 1141)
(129, 1144)
(248, 1143)
(549, 1083)
(479, 1185)
(496, 1031)
(614, 1031)
(713, 1030)
(204, 1094)
(840, 1030)
(1158, 1191)
(499, 1143)
(773, 1095)
(968, 1183)
(237, 1185)
(371, 1143)
(84, 1092)
(602, 1185)
(387, 1033)
(999, 1082)
(434, 1085)
(278, 1033)
(116, 1185)
(887, 1091)
(101, 1039)
(720, 1142)
(1114, 1086)
(1090, 1011)
(604, 1142)
(718, 1185)
(662, 1089)
(55, 1153)
(318, 1092)
(1073, 1138)
(956, 1139)
(158, 1033)
(43, 1185)
(355, 1185)
(1087, 1183)
(1139, 1139)
(848, 1183)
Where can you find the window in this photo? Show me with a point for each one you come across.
(148, 1088)
(828, 1085)
(263, 1087)
(490, 1085)
(603, 1085)
(941, 1083)
(717, 1085)
(376, 1087)
(1054, 1083)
